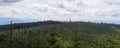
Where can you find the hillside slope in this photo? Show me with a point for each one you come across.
(65, 35)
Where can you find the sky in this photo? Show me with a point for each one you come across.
(62, 10)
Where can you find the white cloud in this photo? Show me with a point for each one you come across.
(63, 10)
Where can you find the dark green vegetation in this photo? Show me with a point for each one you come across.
(52, 34)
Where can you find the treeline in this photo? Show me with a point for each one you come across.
(28, 25)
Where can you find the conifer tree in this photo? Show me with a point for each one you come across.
(10, 35)
(76, 39)
(52, 38)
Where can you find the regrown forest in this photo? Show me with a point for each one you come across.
(55, 34)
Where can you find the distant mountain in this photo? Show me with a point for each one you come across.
(14, 20)
(8, 2)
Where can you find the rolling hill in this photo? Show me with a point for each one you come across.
(54, 34)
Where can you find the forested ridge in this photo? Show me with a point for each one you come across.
(54, 34)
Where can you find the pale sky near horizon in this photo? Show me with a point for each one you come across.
(62, 10)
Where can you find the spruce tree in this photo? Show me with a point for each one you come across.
(10, 35)
(76, 39)
(52, 38)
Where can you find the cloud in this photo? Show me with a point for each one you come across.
(63, 10)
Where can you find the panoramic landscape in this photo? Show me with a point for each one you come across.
(59, 23)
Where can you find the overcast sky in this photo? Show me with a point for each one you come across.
(62, 10)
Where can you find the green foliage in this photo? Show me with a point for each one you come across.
(65, 35)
